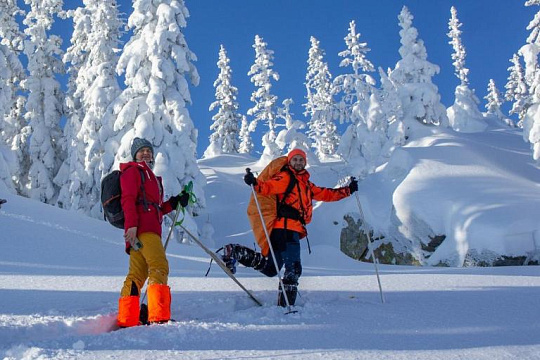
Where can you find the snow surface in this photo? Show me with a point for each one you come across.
(61, 273)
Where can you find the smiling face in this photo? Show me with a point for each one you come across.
(298, 163)
(144, 154)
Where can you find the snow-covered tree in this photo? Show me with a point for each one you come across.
(156, 63)
(10, 33)
(44, 106)
(530, 51)
(91, 88)
(412, 76)
(264, 110)
(8, 64)
(355, 89)
(224, 138)
(494, 100)
(292, 136)
(246, 143)
(389, 100)
(464, 115)
(12, 123)
(516, 90)
(320, 104)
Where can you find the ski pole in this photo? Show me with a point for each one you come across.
(188, 188)
(278, 271)
(370, 247)
(220, 264)
(192, 199)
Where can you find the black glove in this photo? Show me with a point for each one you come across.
(183, 199)
(249, 179)
(353, 185)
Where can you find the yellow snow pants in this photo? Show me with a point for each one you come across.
(149, 262)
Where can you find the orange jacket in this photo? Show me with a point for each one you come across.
(300, 198)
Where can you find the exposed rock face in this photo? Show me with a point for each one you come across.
(354, 243)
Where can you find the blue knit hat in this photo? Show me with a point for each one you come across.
(138, 144)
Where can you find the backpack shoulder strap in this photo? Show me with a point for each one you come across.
(143, 192)
(292, 183)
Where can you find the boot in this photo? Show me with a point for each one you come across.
(291, 290)
(128, 311)
(244, 255)
(159, 303)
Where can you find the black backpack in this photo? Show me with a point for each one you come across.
(111, 195)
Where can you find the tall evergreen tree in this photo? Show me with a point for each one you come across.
(464, 114)
(8, 65)
(13, 135)
(393, 113)
(354, 87)
(319, 107)
(44, 106)
(246, 143)
(355, 90)
(224, 138)
(412, 76)
(91, 90)
(530, 52)
(517, 90)
(494, 100)
(156, 63)
(264, 108)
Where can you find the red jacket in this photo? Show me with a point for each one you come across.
(146, 220)
(301, 201)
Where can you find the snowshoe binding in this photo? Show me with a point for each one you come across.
(228, 257)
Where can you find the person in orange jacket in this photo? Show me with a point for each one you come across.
(143, 215)
(290, 225)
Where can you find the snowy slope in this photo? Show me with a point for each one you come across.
(60, 276)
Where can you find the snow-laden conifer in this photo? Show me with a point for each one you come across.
(226, 123)
(516, 90)
(9, 64)
(44, 105)
(157, 64)
(292, 136)
(412, 76)
(391, 105)
(354, 90)
(494, 100)
(464, 114)
(12, 123)
(319, 107)
(356, 86)
(91, 89)
(246, 143)
(530, 51)
(264, 109)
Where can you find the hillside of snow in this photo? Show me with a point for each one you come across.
(480, 190)
(61, 272)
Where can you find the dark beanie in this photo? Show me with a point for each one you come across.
(138, 144)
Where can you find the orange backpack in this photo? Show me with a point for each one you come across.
(268, 204)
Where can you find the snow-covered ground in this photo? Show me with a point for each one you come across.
(61, 273)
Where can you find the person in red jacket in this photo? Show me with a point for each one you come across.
(290, 226)
(143, 214)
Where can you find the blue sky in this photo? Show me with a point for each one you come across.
(493, 30)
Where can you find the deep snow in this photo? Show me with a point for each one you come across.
(61, 273)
